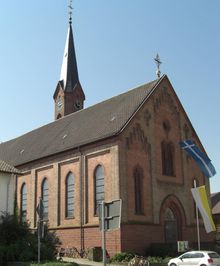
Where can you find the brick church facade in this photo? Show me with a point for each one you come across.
(126, 147)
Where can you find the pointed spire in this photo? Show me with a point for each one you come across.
(68, 96)
(69, 71)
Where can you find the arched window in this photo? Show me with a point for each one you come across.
(99, 181)
(167, 154)
(45, 197)
(70, 195)
(138, 188)
(23, 207)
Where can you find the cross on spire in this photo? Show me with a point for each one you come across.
(70, 6)
(158, 63)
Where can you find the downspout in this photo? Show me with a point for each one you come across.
(82, 244)
(15, 197)
(7, 194)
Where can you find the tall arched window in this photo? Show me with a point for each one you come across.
(99, 181)
(138, 197)
(45, 197)
(167, 154)
(70, 195)
(23, 207)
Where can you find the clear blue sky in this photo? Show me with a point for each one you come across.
(115, 43)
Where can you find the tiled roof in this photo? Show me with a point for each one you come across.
(97, 122)
(215, 200)
(6, 168)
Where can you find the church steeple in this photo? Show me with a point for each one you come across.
(69, 96)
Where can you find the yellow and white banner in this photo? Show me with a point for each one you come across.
(200, 197)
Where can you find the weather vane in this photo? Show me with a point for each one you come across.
(158, 63)
(70, 10)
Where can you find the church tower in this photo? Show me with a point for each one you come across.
(68, 96)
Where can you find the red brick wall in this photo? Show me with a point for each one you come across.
(64, 168)
(138, 145)
(91, 238)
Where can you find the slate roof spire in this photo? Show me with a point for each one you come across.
(69, 72)
(69, 96)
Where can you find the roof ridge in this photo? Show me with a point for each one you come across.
(104, 119)
(76, 113)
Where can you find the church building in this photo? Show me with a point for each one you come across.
(126, 147)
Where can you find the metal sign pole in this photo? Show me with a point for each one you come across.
(40, 212)
(103, 235)
(197, 221)
(38, 255)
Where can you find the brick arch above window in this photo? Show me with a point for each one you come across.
(172, 202)
(172, 210)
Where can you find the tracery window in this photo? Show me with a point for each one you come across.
(70, 195)
(23, 208)
(167, 154)
(45, 197)
(99, 187)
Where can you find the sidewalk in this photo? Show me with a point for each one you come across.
(82, 261)
(87, 262)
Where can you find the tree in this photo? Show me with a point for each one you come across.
(19, 243)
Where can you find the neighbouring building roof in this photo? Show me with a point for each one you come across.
(6, 168)
(97, 122)
(215, 200)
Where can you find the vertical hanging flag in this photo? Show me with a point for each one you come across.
(200, 197)
(200, 158)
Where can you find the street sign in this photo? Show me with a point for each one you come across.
(112, 215)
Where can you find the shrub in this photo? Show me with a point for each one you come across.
(18, 243)
(122, 257)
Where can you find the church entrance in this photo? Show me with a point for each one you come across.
(170, 226)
